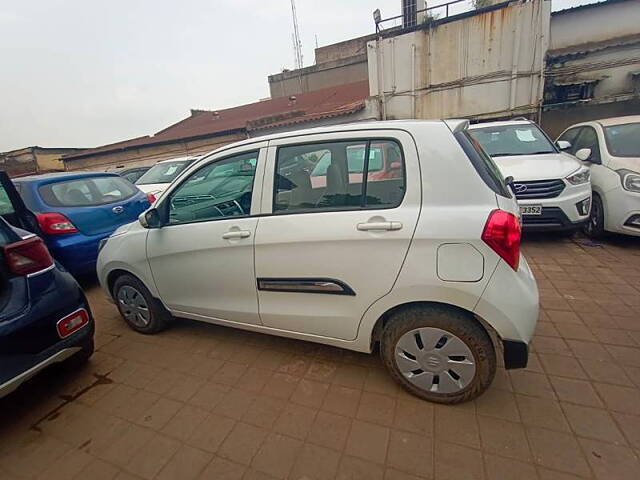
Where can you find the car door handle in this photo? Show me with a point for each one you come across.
(236, 234)
(379, 226)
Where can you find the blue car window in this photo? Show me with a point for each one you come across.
(85, 192)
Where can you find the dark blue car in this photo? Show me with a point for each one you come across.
(77, 210)
(44, 315)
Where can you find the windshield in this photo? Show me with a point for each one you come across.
(164, 172)
(524, 139)
(622, 140)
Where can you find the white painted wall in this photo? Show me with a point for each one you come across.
(486, 65)
(589, 25)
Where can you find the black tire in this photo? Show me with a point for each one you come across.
(78, 360)
(452, 321)
(594, 227)
(158, 317)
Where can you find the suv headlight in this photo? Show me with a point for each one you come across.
(630, 180)
(581, 176)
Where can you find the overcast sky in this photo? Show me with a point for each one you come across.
(82, 73)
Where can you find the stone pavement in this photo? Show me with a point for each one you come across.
(206, 402)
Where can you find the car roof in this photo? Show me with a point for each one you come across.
(59, 176)
(504, 123)
(452, 124)
(607, 122)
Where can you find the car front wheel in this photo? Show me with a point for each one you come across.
(140, 310)
(439, 354)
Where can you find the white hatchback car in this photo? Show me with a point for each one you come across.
(552, 187)
(612, 147)
(408, 240)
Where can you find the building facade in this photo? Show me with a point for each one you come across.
(593, 64)
(32, 160)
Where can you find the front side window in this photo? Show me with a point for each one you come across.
(622, 140)
(164, 172)
(339, 176)
(220, 189)
(85, 192)
(570, 136)
(506, 140)
(588, 138)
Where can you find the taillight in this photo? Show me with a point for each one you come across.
(54, 223)
(151, 197)
(502, 233)
(72, 323)
(27, 256)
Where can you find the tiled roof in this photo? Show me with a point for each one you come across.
(304, 107)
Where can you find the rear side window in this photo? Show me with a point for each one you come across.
(345, 175)
(85, 192)
(483, 163)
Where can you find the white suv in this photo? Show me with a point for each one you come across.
(612, 147)
(552, 187)
(405, 237)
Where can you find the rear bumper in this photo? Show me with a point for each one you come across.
(516, 354)
(19, 369)
(76, 252)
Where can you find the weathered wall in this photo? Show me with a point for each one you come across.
(486, 65)
(595, 24)
(151, 154)
(598, 45)
(328, 74)
(348, 48)
(19, 162)
(49, 161)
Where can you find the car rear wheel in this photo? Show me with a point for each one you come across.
(594, 227)
(439, 354)
(140, 310)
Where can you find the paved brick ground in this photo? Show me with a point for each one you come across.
(201, 401)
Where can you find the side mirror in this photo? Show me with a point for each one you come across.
(563, 145)
(584, 154)
(150, 219)
(508, 181)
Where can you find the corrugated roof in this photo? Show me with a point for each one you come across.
(304, 107)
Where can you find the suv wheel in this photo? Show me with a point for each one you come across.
(141, 311)
(595, 225)
(438, 354)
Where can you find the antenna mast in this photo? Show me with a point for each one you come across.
(297, 43)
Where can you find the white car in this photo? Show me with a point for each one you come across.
(410, 241)
(159, 177)
(552, 187)
(612, 147)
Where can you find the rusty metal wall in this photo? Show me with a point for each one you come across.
(486, 65)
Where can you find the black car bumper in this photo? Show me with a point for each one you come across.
(29, 339)
(19, 369)
(516, 354)
(552, 218)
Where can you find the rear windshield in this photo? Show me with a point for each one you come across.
(84, 192)
(483, 163)
(164, 172)
(506, 140)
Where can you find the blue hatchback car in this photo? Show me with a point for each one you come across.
(77, 210)
(44, 315)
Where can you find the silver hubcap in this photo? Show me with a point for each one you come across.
(435, 360)
(133, 306)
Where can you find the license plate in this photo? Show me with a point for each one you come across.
(531, 210)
